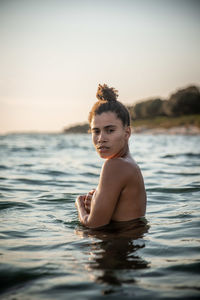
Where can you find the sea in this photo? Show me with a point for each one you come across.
(45, 253)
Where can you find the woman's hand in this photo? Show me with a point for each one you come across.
(87, 200)
(80, 201)
(83, 204)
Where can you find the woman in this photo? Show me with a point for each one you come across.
(120, 195)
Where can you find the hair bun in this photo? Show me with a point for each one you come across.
(105, 93)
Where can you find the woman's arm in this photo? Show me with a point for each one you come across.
(104, 200)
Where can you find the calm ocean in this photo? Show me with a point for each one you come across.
(46, 254)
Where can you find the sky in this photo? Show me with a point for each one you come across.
(54, 53)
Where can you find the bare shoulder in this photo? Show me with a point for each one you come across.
(121, 167)
(114, 164)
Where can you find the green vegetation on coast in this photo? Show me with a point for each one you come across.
(168, 122)
(182, 109)
(80, 128)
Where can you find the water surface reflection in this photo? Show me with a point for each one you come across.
(114, 252)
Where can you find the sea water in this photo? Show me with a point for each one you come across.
(46, 254)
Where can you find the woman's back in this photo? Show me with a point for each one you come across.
(132, 199)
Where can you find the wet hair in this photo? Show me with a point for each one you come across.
(107, 102)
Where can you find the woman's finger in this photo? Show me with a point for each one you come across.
(92, 192)
(88, 197)
(88, 202)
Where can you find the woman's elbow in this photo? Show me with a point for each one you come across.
(94, 224)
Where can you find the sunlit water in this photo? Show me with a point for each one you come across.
(46, 254)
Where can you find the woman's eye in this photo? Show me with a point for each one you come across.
(96, 132)
(110, 130)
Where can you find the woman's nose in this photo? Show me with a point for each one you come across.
(101, 137)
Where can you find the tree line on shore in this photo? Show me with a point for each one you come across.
(183, 102)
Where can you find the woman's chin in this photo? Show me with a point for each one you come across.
(104, 155)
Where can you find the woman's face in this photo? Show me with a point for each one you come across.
(109, 136)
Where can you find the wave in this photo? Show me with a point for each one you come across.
(14, 204)
(187, 154)
(11, 276)
(174, 190)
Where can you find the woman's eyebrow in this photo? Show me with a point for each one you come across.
(110, 126)
(105, 127)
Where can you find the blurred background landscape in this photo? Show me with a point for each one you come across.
(181, 113)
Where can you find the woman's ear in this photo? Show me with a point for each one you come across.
(127, 132)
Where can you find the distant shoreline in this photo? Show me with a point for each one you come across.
(178, 130)
(185, 125)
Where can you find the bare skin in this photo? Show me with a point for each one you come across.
(120, 195)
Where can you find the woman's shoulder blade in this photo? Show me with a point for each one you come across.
(120, 166)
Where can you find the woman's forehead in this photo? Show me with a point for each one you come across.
(105, 119)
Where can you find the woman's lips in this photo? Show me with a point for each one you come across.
(103, 149)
